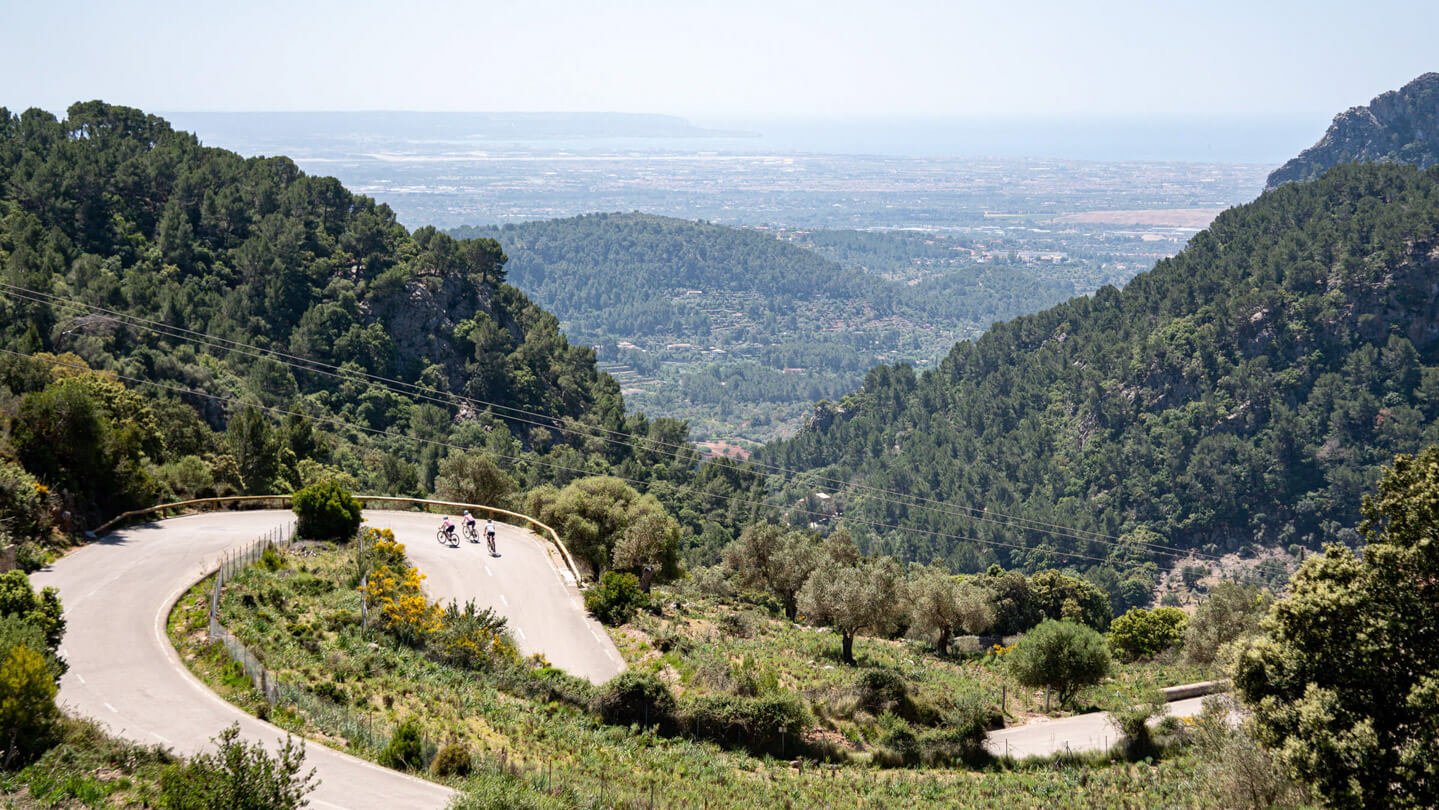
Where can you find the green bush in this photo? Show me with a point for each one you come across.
(1143, 633)
(897, 743)
(405, 751)
(29, 671)
(953, 745)
(326, 511)
(471, 637)
(1136, 738)
(1064, 656)
(1231, 612)
(773, 724)
(30, 557)
(41, 609)
(270, 559)
(637, 698)
(239, 776)
(616, 598)
(883, 690)
(453, 759)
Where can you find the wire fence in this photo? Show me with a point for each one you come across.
(360, 729)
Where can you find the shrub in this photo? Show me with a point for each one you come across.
(1064, 656)
(28, 716)
(270, 559)
(1231, 612)
(23, 502)
(30, 557)
(952, 745)
(326, 511)
(41, 609)
(883, 690)
(773, 724)
(1143, 633)
(637, 698)
(452, 760)
(239, 775)
(1137, 740)
(471, 637)
(616, 598)
(405, 751)
(898, 744)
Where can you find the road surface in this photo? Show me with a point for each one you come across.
(118, 591)
(527, 583)
(1082, 732)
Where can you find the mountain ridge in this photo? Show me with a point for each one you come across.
(1399, 126)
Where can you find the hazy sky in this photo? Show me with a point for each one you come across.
(727, 58)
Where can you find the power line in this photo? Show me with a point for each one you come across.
(229, 400)
(534, 418)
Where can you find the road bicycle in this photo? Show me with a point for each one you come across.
(490, 540)
(471, 533)
(448, 538)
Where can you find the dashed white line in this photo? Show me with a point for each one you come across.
(521, 632)
(162, 738)
(112, 708)
(488, 571)
(79, 677)
(504, 600)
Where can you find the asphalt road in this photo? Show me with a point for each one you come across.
(1082, 732)
(118, 591)
(526, 582)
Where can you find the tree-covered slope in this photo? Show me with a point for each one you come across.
(1400, 126)
(735, 330)
(1246, 391)
(111, 208)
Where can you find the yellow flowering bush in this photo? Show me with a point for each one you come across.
(397, 596)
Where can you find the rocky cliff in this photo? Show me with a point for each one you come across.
(1399, 126)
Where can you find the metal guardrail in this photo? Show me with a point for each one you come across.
(550, 533)
(1193, 690)
(554, 536)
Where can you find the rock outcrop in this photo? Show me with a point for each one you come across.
(1400, 126)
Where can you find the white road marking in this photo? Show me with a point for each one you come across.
(162, 738)
(521, 632)
(503, 599)
(488, 571)
(112, 708)
(80, 677)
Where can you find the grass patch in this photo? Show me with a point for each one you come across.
(88, 768)
(538, 748)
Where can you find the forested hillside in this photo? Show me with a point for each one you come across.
(252, 329)
(735, 330)
(1246, 391)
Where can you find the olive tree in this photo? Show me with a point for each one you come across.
(593, 516)
(942, 605)
(473, 476)
(867, 595)
(770, 559)
(1063, 656)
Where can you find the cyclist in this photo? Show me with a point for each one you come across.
(448, 527)
(470, 527)
(490, 534)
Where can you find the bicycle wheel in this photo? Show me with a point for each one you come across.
(440, 536)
